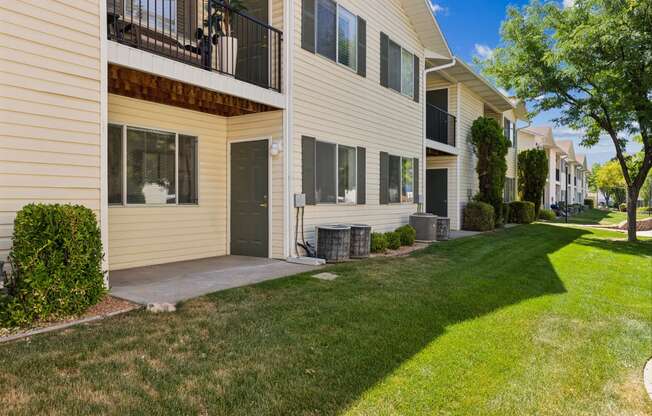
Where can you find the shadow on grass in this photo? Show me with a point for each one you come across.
(591, 217)
(290, 346)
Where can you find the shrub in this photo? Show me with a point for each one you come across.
(378, 243)
(623, 207)
(547, 214)
(56, 264)
(589, 203)
(408, 234)
(521, 212)
(478, 216)
(506, 212)
(393, 240)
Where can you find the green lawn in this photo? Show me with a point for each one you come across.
(538, 320)
(600, 217)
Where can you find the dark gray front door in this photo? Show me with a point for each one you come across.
(249, 199)
(437, 188)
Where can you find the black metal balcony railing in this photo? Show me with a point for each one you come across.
(204, 33)
(440, 125)
(557, 175)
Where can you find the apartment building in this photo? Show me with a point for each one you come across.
(189, 126)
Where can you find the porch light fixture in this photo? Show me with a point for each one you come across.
(275, 149)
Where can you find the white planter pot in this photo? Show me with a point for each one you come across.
(227, 54)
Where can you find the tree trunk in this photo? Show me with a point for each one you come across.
(632, 198)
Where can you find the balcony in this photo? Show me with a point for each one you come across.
(440, 125)
(557, 175)
(202, 33)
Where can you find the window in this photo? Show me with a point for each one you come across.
(155, 161)
(157, 14)
(347, 38)
(346, 174)
(407, 73)
(407, 185)
(510, 190)
(337, 33)
(508, 130)
(400, 68)
(115, 164)
(394, 179)
(326, 185)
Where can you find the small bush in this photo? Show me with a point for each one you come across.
(408, 235)
(378, 243)
(589, 203)
(547, 214)
(506, 212)
(623, 207)
(393, 240)
(521, 212)
(56, 264)
(478, 216)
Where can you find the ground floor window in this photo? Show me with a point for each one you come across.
(400, 183)
(336, 174)
(510, 190)
(151, 167)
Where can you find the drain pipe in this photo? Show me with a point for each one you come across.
(440, 67)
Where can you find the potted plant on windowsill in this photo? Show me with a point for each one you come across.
(224, 38)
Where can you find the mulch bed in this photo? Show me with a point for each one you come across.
(401, 252)
(108, 306)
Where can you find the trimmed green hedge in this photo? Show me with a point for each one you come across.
(56, 260)
(378, 243)
(478, 216)
(408, 235)
(521, 212)
(393, 240)
(547, 214)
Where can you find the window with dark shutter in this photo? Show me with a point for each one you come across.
(416, 179)
(384, 178)
(384, 60)
(326, 173)
(417, 79)
(308, 25)
(394, 61)
(326, 17)
(308, 168)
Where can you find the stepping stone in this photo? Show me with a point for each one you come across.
(325, 276)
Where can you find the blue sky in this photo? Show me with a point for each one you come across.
(472, 28)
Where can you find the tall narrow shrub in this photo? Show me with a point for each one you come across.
(490, 146)
(532, 176)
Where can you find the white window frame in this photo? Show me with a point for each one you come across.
(124, 202)
(337, 179)
(337, 37)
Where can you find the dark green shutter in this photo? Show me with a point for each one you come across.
(308, 145)
(362, 47)
(362, 176)
(417, 79)
(417, 172)
(384, 59)
(384, 178)
(515, 136)
(308, 25)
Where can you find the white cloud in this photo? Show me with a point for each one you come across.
(437, 8)
(569, 3)
(483, 51)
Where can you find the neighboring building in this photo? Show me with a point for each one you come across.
(456, 96)
(567, 170)
(188, 143)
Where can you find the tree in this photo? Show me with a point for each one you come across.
(611, 182)
(490, 146)
(532, 176)
(592, 61)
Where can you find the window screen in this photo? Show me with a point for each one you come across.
(394, 66)
(325, 190)
(394, 179)
(346, 173)
(347, 38)
(188, 170)
(407, 184)
(407, 73)
(326, 28)
(151, 168)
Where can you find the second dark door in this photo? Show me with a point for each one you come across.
(249, 199)
(437, 192)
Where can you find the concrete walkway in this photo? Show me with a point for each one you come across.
(174, 282)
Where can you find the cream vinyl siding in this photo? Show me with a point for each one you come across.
(49, 106)
(266, 126)
(334, 104)
(449, 163)
(141, 235)
(471, 107)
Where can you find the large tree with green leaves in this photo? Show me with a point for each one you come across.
(611, 182)
(490, 146)
(532, 176)
(593, 62)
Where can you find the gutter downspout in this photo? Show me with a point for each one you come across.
(440, 67)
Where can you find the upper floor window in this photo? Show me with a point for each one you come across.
(334, 33)
(399, 68)
(154, 14)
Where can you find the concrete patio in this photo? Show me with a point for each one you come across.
(174, 282)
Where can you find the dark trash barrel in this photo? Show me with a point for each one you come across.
(360, 241)
(333, 242)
